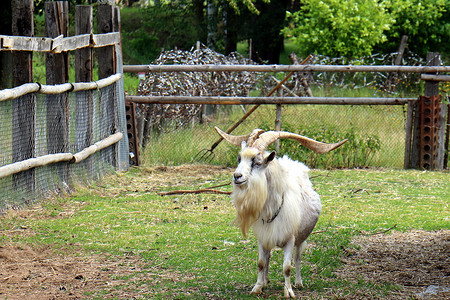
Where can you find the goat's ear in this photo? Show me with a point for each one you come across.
(270, 157)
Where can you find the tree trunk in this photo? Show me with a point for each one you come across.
(268, 42)
(212, 25)
(199, 21)
(230, 29)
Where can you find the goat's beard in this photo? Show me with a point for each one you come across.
(249, 201)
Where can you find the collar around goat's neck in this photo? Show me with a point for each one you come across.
(276, 213)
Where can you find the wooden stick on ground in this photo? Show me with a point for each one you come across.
(200, 191)
(379, 232)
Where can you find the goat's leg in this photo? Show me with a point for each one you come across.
(298, 277)
(287, 249)
(263, 266)
(266, 269)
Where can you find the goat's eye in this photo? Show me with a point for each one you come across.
(255, 162)
(239, 159)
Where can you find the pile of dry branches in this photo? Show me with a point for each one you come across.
(191, 84)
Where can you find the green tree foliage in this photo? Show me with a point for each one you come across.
(358, 27)
(145, 31)
(249, 4)
(425, 22)
(339, 28)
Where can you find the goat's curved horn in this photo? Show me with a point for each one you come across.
(237, 140)
(269, 137)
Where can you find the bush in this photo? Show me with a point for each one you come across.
(425, 22)
(339, 28)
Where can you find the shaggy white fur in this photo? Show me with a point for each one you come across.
(276, 198)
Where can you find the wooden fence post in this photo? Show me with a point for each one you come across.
(415, 147)
(5, 56)
(393, 77)
(84, 61)
(57, 72)
(442, 162)
(411, 108)
(278, 119)
(106, 55)
(447, 136)
(107, 65)
(83, 57)
(23, 108)
(129, 143)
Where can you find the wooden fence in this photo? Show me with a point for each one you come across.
(17, 50)
(420, 152)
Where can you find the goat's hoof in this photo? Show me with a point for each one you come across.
(288, 293)
(298, 284)
(257, 289)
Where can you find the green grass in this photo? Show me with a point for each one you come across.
(130, 83)
(384, 198)
(191, 239)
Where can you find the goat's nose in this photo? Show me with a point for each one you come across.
(237, 176)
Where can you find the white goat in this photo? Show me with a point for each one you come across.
(275, 197)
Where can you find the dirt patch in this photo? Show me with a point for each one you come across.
(29, 273)
(417, 261)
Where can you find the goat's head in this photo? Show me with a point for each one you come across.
(251, 161)
(250, 187)
(254, 158)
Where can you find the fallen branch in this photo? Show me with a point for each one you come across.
(220, 185)
(379, 232)
(320, 175)
(359, 190)
(200, 191)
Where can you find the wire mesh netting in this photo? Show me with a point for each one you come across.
(178, 134)
(63, 123)
(376, 136)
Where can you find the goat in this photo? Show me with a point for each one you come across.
(275, 197)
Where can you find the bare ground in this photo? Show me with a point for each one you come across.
(417, 262)
(27, 273)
